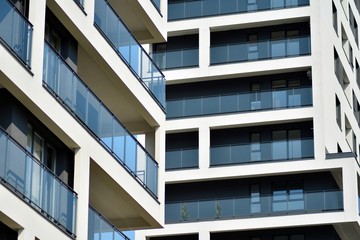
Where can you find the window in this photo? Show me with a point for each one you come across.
(288, 196)
(255, 147)
(255, 96)
(255, 198)
(42, 151)
(252, 47)
(22, 6)
(335, 20)
(286, 144)
(338, 112)
(252, 5)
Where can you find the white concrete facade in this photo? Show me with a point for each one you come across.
(329, 138)
(125, 199)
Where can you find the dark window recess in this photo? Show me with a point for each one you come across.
(177, 52)
(7, 233)
(22, 6)
(60, 39)
(182, 150)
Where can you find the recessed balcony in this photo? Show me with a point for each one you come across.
(239, 102)
(260, 50)
(15, 32)
(285, 150)
(183, 9)
(299, 202)
(38, 186)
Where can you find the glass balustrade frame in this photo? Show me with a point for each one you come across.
(161, 58)
(268, 205)
(146, 172)
(46, 185)
(160, 100)
(249, 51)
(182, 152)
(23, 55)
(156, 4)
(110, 233)
(253, 100)
(256, 150)
(249, 8)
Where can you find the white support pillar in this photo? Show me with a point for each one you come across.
(204, 235)
(89, 8)
(160, 158)
(37, 18)
(82, 188)
(204, 47)
(204, 147)
(25, 234)
(350, 190)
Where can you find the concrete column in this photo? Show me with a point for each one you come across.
(37, 19)
(204, 147)
(81, 187)
(350, 190)
(89, 6)
(150, 142)
(204, 235)
(26, 234)
(160, 158)
(204, 47)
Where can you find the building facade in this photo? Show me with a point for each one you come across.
(262, 125)
(77, 89)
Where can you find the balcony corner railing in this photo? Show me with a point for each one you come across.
(16, 32)
(101, 228)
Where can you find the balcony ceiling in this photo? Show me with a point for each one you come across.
(114, 203)
(138, 20)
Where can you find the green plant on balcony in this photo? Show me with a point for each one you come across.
(184, 212)
(217, 209)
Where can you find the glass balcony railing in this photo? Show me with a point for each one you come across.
(184, 9)
(77, 98)
(15, 31)
(253, 51)
(156, 4)
(36, 184)
(239, 102)
(295, 149)
(100, 228)
(131, 52)
(80, 3)
(182, 158)
(177, 59)
(256, 206)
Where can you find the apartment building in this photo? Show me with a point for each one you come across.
(76, 89)
(262, 124)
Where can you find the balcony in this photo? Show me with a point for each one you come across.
(239, 102)
(130, 51)
(255, 206)
(21, 173)
(261, 50)
(181, 58)
(183, 9)
(183, 158)
(295, 149)
(77, 98)
(100, 228)
(15, 32)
